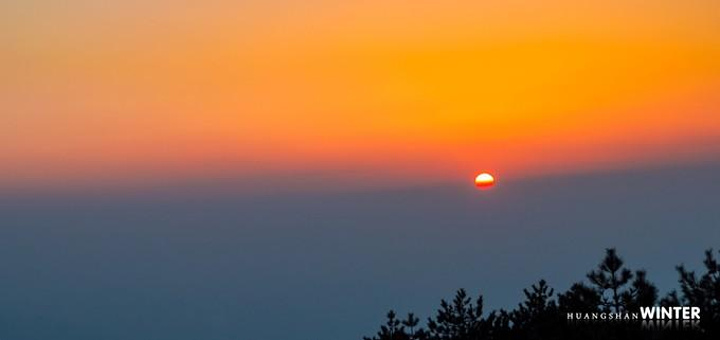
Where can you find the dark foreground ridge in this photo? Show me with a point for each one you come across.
(607, 306)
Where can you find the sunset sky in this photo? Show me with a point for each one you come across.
(279, 170)
(384, 91)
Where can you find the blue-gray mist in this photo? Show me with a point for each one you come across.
(193, 263)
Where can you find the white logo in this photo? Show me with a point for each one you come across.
(670, 313)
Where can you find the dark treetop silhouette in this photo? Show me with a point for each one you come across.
(612, 288)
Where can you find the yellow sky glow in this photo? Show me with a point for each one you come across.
(94, 92)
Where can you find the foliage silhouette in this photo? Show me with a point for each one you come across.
(611, 289)
(703, 291)
(611, 276)
(391, 330)
(460, 319)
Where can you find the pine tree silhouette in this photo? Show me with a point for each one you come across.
(579, 299)
(703, 291)
(537, 316)
(611, 276)
(391, 330)
(459, 320)
(411, 322)
(499, 325)
(613, 289)
(641, 292)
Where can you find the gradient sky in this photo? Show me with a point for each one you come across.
(363, 91)
(276, 170)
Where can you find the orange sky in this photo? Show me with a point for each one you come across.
(417, 90)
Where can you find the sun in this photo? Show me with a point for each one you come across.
(484, 180)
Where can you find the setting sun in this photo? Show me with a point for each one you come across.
(484, 180)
